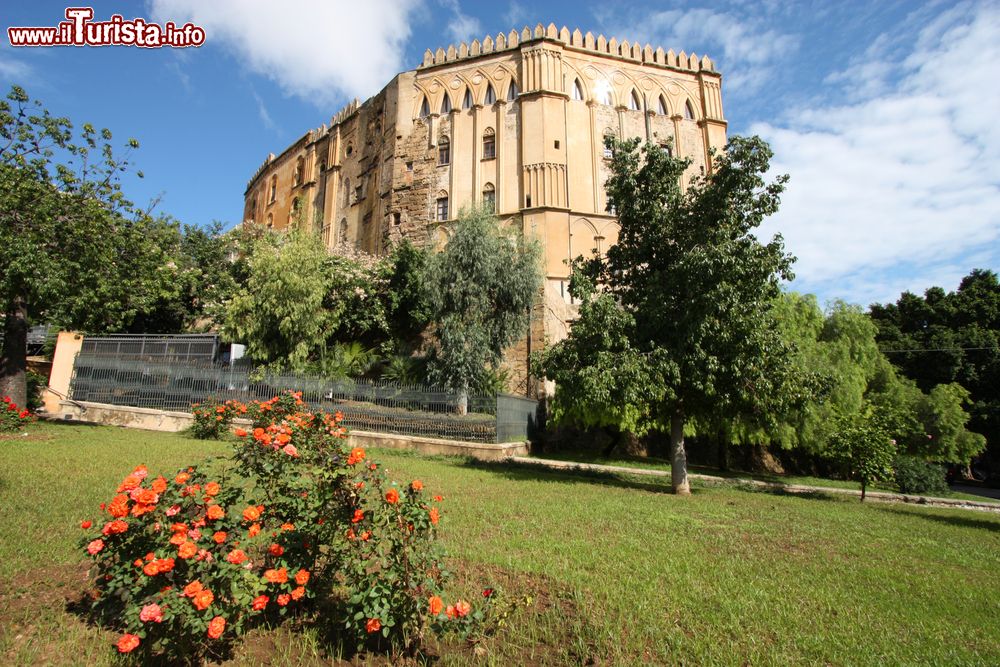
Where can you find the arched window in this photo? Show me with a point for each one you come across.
(512, 92)
(602, 92)
(667, 150)
(296, 205)
(253, 208)
(446, 104)
(297, 174)
(634, 103)
(273, 190)
(467, 100)
(444, 151)
(489, 144)
(490, 198)
(577, 90)
(425, 108)
(441, 209)
(688, 110)
(661, 107)
(491, 95)
(608, 134)
(270, 220)
(347, 191)
(342, 232)
(350, 149)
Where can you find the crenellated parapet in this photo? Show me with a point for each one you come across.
(575, 39)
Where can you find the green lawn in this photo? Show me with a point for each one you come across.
(618, 570)
(652, 463)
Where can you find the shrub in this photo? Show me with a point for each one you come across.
(36, 382)
(12, 417)
(865, 449)
(212, 419)
(185, 566)
(915, 475)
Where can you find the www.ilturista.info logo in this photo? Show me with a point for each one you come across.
(80, 30)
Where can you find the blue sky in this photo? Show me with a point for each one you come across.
(883, 113)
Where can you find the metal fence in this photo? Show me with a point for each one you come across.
(177, 348)
(377, 406)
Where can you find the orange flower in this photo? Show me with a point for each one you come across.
(435, 605)
(139, 509)
(258, 433)
(178, 538)
(260, 602)
(114, 527)
(357, 456)
(373, 625)
(287, 526)
(86, 524)
(165, 565)
(182, 478)
(450, 611)
(298, 593)
(392, 497)
(119, 506)
(240, 433)
(159, 484)
(417, 485)
(302, 577)
(236, 557)
(462, 608)
(359, 515)
(94, 547)
(438, 499)
(215, 512)
(276, 550)
(147, 497)
(219, 536)
(252, 513)
(192, 589)
(434, 515)
(216, 627)
(277, 576)
(254, 530)
(127, 643)
(151, 569)
(283, 438)
(365, 536)
(203, 599)
(211, 489)
(283, 599)
(129, 483)
(187, 550)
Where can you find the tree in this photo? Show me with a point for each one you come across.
(698, 284)
(864, 447)
(73, 252)
(480, 290)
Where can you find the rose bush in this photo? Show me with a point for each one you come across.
(212, 419)
(12, 417)
(185, 565)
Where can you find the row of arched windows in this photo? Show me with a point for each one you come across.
(442, 209)
(467, 100)
(634, 100)
(489, 147)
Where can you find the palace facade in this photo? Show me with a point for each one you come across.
(518, 121)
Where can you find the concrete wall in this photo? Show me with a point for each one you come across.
(162, 420)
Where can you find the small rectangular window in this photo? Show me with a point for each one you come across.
(490, 201)
(557, 144)
(444, 153)
(442, 209)
(489, 147)
(409, 166)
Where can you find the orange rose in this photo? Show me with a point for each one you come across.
(357, 456)
(192, 589)
(203, 599)
(276, 550)
(462, 608)
(127, 643)
(277, 576)
(147, 497)
(435, 604)
(298, 593)
(178, 538)
(252, 513)
(373, 625)
(114, 527)
(240, 433)
(187, 550)
(260, 602)
(216, 627)
(86, 524)
(219, 537)
(287, 526)
(215, 512)
(254, 530)
(302, 577)
(434, 515)
(359, 515)
(283, 438)
(284, 599)
(165, 565)
(236, 557)
(139, 509)
(211, 489)
(129, 483)
(119, 506)
(159, 484)
(182, 478)
(450, 611)
(417, 485)
(392, 497)
(151, 569)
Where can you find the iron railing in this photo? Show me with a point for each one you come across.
(178, 348)
(368, 405)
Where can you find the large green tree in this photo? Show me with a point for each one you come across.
(698, 286)
(945, 337)
(480, 290)
(73, 252)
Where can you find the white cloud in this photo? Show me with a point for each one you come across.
(265, 117)
(318, 50)
(462, 27)
(515, 16)
(749, 49)
(899, 186)
(12, 67)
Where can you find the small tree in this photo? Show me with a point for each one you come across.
(480, 290)
(865, 449)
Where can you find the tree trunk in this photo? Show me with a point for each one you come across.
(723, 450)
(463, 400)
(862, 492)
(678, 456)
(13, 359)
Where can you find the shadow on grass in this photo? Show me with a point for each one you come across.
(960, 520)
(530, 472)
(788, 493)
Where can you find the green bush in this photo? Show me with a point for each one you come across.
(36, 383)
(915, 475)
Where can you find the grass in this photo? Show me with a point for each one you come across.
(653, 463)
(618, 570)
